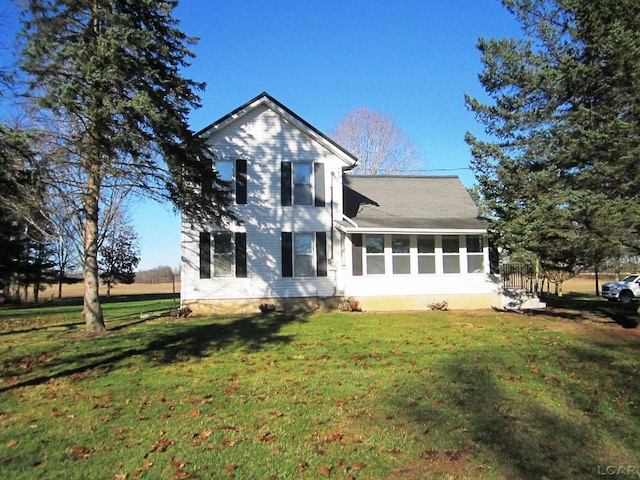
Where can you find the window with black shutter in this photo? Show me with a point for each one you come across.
(285, 183)
(241, 255)
(241, 182)
(321, 254)
(205, 255)
(287, 254)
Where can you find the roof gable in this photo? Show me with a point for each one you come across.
(266, 100)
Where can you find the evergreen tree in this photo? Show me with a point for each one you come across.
(111, 69)
(119, 257)
(559, 171)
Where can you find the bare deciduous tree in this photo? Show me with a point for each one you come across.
(380, 145)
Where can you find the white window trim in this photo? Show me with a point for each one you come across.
(439, 255)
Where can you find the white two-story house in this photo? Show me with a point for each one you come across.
(311, 234)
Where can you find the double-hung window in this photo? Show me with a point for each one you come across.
(426, 254)
(222, 254)
(302, 189)
(475, 254)
(451, 254)
(225, 170)
(401, 254)
(303, 255)
(234, 172)
(302, 183)
(374, 251)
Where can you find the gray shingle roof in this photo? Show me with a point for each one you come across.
(410, 202)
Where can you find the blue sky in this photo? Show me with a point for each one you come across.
(412, 60)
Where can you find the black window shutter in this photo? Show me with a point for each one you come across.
(318, 184)
(241, 182)
(241, 255)
(285, 183)
(287, 254)
(321, 254)
(205, 255)
(207, 178)
(356, 254)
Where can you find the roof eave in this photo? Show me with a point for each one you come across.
(419, 231)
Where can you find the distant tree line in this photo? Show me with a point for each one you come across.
(162, 274)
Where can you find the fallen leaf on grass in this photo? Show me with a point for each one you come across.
(453, 455)
(176, 463)
(182, 475)
(12, 443)
(161, 445)
(145, 466)
(430, 454)
(302, 466)
(81, 453)
(326, 470)
(267, 437)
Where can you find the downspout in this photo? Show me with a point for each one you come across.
(333, 175)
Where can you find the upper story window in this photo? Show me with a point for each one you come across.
(302, 189)
(234, 172)
(302, 183)
(225, 170)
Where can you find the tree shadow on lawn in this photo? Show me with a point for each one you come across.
(519, 431)
(170, 342)
(578, 307)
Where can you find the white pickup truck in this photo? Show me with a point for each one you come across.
(625, 290)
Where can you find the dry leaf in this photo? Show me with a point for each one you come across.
(326, 470)
(81, 453)
(161, 445)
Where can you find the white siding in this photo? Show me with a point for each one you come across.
(265, 139)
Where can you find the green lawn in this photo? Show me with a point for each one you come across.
(324, 395)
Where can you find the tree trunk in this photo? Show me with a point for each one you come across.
(92, 311)
(60, 278)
